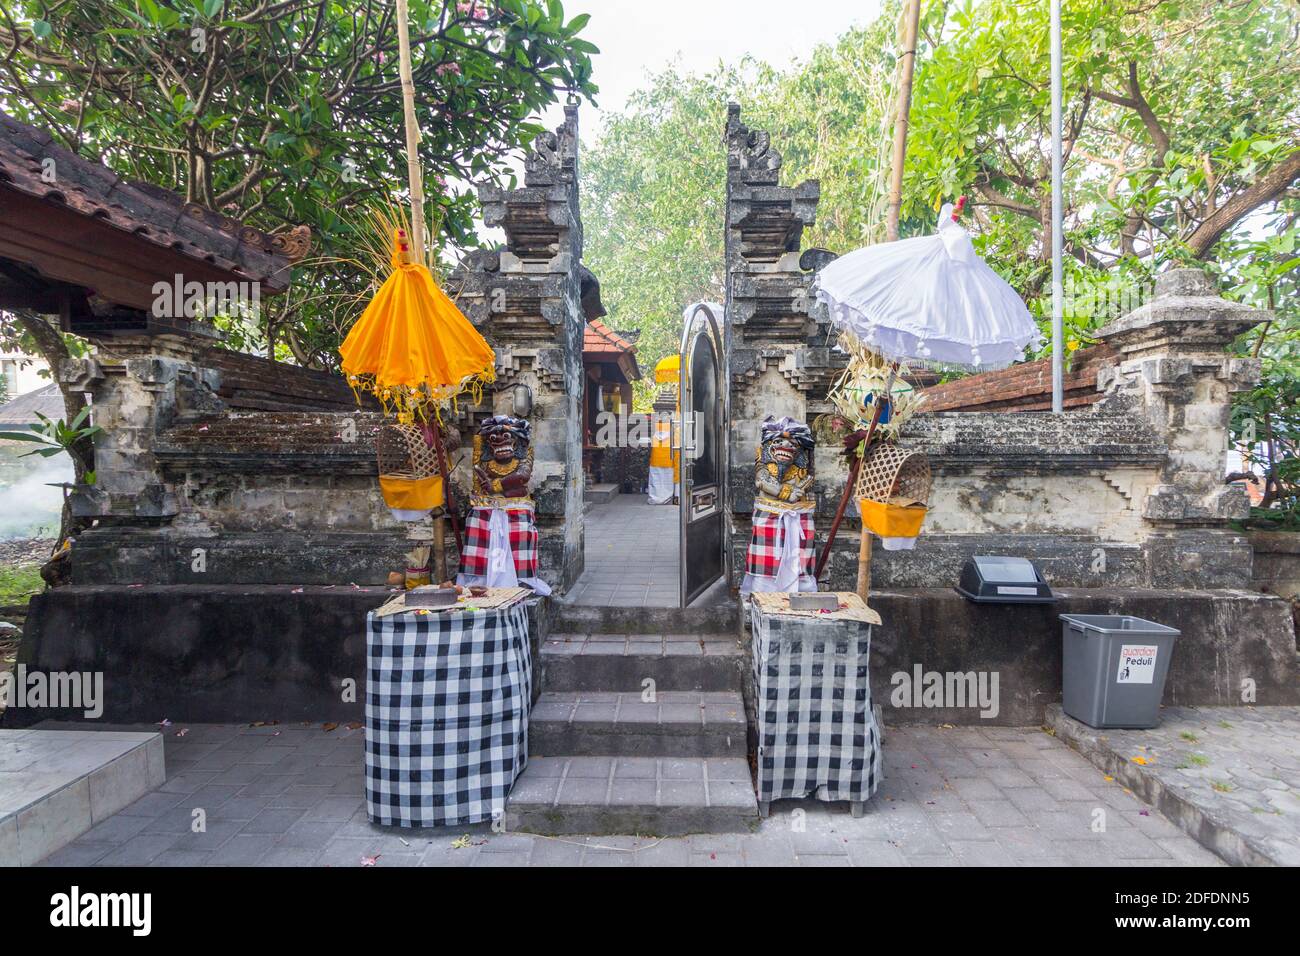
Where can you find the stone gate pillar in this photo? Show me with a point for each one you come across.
(1173, 368)
(779, 358)
(526, 301)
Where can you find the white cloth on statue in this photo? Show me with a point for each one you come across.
(661, 488)
(787, 573)
(501, 559)
(788, 576)
(898, 544)
(409, 514)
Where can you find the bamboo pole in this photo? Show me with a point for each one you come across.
(415, 182)
(413, 176)
(864, 564)
(907, 30)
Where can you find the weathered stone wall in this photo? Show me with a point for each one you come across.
(221, 468)
(253, 383)
(1277, 564)
(283, 653)
(274, 497)
(1123, 490)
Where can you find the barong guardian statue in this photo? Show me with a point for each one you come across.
(500, 532)
(781, 552)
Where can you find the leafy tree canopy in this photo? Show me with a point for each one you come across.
(287, 112)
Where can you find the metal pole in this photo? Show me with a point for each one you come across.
(1058, 291)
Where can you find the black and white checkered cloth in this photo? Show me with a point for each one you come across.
(817, 733)
(447, 701)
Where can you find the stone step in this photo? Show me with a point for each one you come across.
(676, 724)
(663, 796)
(600, 494)
(621, 663)
(582, 619)
(57, 784)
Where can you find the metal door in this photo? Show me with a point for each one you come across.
(704, 453)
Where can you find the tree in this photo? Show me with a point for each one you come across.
(1181, 121)
(653, 193)
(288, 112)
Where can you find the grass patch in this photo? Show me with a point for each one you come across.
(1199, 760)
(1189, 737)
(1221, 786)
(19, 582)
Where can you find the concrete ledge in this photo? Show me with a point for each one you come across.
(57, 784)
(676, 724)
(1227, 637)
(244, 653)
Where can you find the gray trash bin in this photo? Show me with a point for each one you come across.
(1114, 668)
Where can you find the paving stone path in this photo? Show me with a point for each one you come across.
(631, 555)
(1229, 774)
(292, 796)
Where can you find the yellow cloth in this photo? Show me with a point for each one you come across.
(891, 521)
(411, 494)
(412, 342)
(661, 450)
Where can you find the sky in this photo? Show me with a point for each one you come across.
(639, 37)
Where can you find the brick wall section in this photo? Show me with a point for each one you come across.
(251, 383)
(1023, 388)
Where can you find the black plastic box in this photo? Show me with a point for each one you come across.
(999, 579)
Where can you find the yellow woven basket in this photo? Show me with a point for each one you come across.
(890, 520)
(412, 494)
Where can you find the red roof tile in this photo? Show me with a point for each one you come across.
(599, 337)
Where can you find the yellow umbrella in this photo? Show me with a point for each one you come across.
(668, 370)
(412, 347)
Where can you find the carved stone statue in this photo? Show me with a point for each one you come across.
(500, 532)
(783, 469)
(503, 459)
(781, 552)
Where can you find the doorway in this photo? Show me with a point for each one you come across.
(654, 507)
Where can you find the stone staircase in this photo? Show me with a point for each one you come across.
(640, 727)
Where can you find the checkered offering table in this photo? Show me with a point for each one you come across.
(817, 732)
(448, 695)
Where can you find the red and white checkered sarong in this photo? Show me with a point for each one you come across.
(478, 537)
(767, 542)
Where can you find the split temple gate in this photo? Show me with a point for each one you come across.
(240, 539)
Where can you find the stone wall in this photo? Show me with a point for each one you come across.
(216, 467)
(243, 653)
(1023, 388)
(1125, 489)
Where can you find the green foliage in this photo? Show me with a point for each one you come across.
(18, 583)
(56, 437)
(282, 114)
(1266, 420)
(653, 193)
(1178, 115)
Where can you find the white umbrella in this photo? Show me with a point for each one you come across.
(929, 299)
